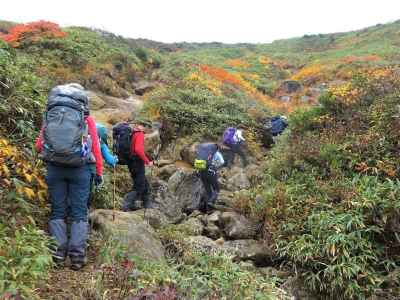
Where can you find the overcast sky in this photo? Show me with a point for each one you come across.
(208, 20)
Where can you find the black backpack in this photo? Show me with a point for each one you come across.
(65, 132)
(122, 139)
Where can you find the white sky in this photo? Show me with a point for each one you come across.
(208, 20)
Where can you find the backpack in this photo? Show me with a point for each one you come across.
(229, 136)
(204, 155)
(66, 140)
(278, 125)
(122, 139)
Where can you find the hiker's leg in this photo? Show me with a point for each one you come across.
(146, 194)
(57, 188)
(230, 156)
(78, 192)
(90, 198)
(213, 180)
(240, 151)
(140, 179)
(206, 184)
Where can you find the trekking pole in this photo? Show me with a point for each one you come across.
(114, 193)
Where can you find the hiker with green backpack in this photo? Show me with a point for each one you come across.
(129, 146)
(208, 161)
(68, 143)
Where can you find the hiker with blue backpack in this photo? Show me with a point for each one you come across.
(234, 140)
(110, 159)
(278, 125)
(208, 161)
(68, 143)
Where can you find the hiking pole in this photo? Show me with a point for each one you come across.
(114, 192)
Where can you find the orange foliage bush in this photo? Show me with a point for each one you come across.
(237, 63)
(364, 58)
(312, 71)
(32, 32)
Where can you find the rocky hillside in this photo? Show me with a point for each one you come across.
(315, 217)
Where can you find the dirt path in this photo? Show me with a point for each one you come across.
(64, 283)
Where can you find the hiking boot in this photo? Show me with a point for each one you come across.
(59, 261)
(129, 201)
(147, 203)
(77, 262)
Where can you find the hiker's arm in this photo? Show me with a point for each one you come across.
(108, 157)
(240, 136)
(95, 145)
(39, 141)
(218, 160)
(139, 147)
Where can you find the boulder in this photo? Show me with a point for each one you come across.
(212, 231)
(144, 87)
(95, 101)
(192, 226)
(165, 201)
(213, 218)
(152, 143)
(236, 226)
(189, 192)
(238, 182)
(138, 237)
(285, 98)
(164, 162)
(154, 217)
(188, 153)
(290, 86)
(166, 172)
(258, 252)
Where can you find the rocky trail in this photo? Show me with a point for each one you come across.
(177, 196)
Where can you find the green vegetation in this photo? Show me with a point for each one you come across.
(332, 190)
(331, 186)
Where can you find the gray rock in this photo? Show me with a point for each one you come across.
(285, 98)
(138, 237)
(166, 171)
(213, 218)
(192, 226)
(290, 86)
(144, 87)
(305, 99)
(188, 153)
(95, 101)
(257, 251)
(236, 226)
(212, 231)
(238, 182)
(154, 217)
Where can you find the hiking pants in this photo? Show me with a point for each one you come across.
(210, 181)
(140, 184)
(69, 186)
(236, 149)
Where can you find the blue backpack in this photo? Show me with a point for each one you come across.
(278, 125)
(228, 137)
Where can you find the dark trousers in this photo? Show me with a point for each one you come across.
(140, 184)
(209, 178)
(68, 186)
(233, 150)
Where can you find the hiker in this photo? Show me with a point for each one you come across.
(68, 143)
(233, 138)
(278, 125)
(129, 146)
(208, 161)
(110, 159)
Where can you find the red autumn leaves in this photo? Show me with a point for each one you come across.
(32, 32)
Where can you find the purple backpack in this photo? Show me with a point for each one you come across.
(228, 137)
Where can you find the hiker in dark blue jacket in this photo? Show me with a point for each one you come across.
(278, 125)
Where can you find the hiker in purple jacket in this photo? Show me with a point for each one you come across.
(234, 140)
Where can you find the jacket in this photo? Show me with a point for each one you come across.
(137, 146)
(110, 159)
(95, 144)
